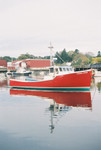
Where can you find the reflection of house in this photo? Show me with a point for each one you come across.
(3, 83)
(3, 65)
(34, 65)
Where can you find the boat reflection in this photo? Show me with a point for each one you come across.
(75, 99)
(60, 102)
(3, 83)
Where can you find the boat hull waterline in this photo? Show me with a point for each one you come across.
(67, 82)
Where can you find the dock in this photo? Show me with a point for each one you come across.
(3, 69)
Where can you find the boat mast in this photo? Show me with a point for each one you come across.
(51, 57)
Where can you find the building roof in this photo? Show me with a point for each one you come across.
(38, 63)
(34, 63)
(3, 63)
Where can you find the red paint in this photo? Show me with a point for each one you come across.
(3, 63)
(82, 99)
(77, 79)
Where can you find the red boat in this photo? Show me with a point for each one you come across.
(75, 99)
(62, 79)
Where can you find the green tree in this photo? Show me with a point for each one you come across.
(62, 57)
(57, 55)
(26, 56)
(46, 57)
(80, 60)
(70, 55)
(7, 58)
(76, 51)
(99, 54)
(89, 55)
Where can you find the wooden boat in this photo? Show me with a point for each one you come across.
(75, 99)
(59, 79)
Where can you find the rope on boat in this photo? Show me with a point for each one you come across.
(59, 57)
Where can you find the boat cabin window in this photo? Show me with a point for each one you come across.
(51, 70)
(60, 69)
(64, 69)
(67, 69)
(56, 70)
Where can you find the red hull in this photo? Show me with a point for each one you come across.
(73, 80)
(82, 99)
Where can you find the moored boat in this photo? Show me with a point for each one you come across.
(60, 78)
(23, 73)
(59, 82)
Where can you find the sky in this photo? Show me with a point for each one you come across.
(28, 26)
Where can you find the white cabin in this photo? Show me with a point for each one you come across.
(59, 70)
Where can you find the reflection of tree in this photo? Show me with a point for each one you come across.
(99, 86)
(92, 83)
(95, 84)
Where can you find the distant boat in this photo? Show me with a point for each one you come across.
(22, 73)
(21, 69)
(60, 79)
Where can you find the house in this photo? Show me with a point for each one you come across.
(34, 65)
(3, 65)
(38, 64)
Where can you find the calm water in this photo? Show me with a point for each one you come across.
(32, 120)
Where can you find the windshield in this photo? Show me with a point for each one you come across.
(51, 70)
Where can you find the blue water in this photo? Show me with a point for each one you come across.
(30, 122)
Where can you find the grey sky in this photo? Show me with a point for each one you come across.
(30, 25)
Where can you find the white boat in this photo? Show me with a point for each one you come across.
(21, 71)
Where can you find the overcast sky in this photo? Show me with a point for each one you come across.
(28, 26)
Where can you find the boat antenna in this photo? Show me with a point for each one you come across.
(51, 57)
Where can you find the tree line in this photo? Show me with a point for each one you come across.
(62, 57)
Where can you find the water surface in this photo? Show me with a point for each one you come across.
(33, 120)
